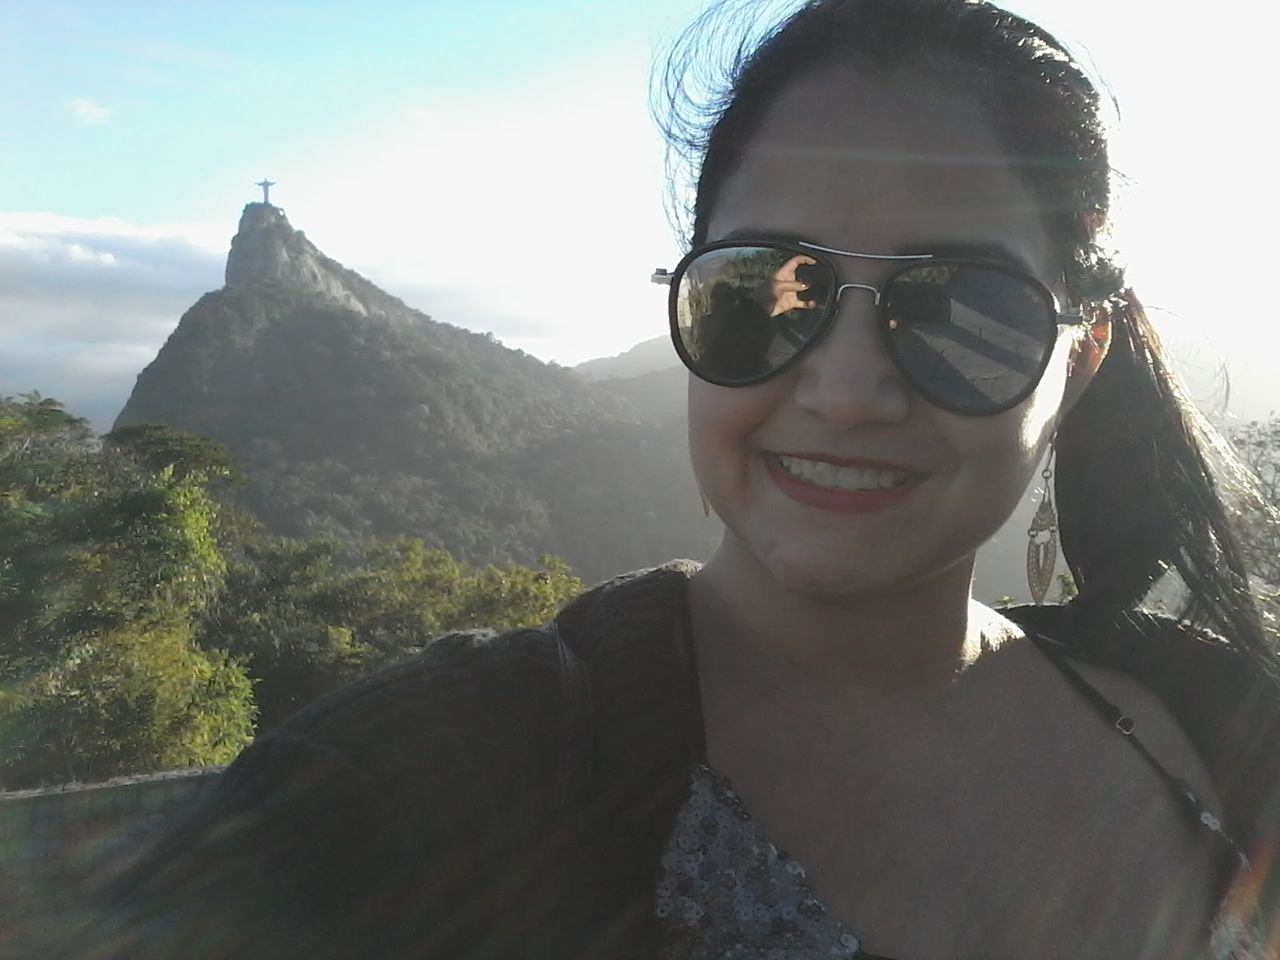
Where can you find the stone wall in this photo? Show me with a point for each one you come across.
(56, 842)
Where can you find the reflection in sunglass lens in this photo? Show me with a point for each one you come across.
(817, 281)
(743, 312)
(971, 339)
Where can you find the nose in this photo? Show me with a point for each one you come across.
(848, 378)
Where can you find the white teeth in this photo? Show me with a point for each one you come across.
(828, 475)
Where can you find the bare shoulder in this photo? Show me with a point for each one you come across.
(1155, 726)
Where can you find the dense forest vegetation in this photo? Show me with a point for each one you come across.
(148, 622)
(364, 427)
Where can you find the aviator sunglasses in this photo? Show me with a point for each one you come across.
(971, 337)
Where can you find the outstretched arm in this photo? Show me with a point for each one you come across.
(402, 816)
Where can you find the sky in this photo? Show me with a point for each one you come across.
(462, 154)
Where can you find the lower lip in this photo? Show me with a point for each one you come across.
(838, 501)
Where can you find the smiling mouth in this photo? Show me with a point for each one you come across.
(848, 479)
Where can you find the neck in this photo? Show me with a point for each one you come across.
(912, 641)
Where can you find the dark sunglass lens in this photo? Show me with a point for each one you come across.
(740, 313)
(971, 339)
(924, 303)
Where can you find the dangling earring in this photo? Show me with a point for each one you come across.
(1042, 537)
(706, 504)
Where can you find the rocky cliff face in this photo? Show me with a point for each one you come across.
(267, 250)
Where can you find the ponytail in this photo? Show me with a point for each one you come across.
(1137, 497)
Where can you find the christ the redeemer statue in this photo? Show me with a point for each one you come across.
(266, 186)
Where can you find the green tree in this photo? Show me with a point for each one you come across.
(155, 447)
(145, 620)
(33, 424)
(513, 596)
(103, 566)
(282, 612)
(303, 623)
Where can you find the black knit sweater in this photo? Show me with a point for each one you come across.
(510, 796)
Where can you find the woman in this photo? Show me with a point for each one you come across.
(903, 201)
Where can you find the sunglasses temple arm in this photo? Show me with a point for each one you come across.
(661, 276)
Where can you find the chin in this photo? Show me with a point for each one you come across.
(810, 571)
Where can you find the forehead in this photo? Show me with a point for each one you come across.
(877, 162)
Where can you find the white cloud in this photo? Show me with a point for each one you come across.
(14, 227)
(85, 304)
(88, 112)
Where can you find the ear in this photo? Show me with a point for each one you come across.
(1088, 349)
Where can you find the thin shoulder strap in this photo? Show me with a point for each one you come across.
(1125, 725)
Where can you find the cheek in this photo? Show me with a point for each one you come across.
(1043, 411)
(1001, 455)
(723, 424)
(1020, 435)
(716, 425)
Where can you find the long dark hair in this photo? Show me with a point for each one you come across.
(1137, 496)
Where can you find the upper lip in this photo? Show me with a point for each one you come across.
(865, 463)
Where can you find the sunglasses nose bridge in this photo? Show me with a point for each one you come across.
(847, 378)
(874, 291)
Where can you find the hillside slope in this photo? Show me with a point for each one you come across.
(355, 415)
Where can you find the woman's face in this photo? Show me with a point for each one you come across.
(874, 164)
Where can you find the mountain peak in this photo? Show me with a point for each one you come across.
(267, 249)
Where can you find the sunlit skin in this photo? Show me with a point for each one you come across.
(948, 795)
(783, 291)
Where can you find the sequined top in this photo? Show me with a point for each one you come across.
(726, 892)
